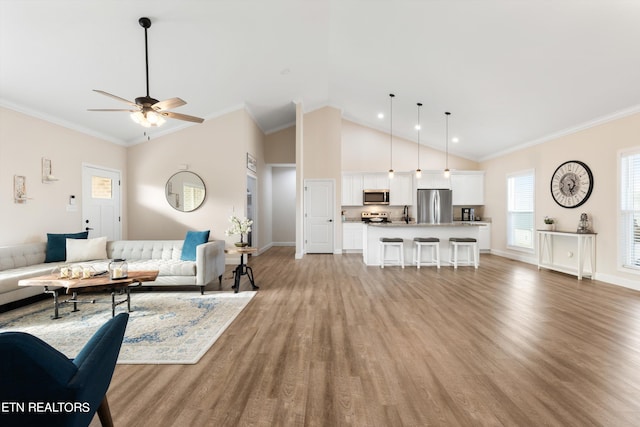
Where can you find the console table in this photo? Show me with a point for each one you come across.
(585, 244)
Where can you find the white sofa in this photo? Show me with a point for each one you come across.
(27, 260)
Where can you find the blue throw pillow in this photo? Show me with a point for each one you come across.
(191, 240)
(57, 245)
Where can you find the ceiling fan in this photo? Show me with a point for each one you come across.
(148, 111)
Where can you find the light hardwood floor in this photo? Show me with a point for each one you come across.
(330, 342)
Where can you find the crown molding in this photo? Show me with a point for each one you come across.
(568, 131)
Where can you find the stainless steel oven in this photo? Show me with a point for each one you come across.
(375, 197)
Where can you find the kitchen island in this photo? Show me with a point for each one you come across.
(373, 232)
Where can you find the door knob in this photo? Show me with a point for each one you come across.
(330, 220)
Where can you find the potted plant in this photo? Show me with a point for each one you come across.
(239, 226)
(549, 223)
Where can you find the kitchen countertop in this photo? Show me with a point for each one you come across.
(413, 224)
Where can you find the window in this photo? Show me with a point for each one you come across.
(193, 196)
(101, 187)
(629, 225)
(520, 215)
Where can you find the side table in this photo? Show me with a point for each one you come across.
(242, 269)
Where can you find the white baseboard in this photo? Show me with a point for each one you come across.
(618, 281)
(607, 278)
(528, 258)
(283, 244)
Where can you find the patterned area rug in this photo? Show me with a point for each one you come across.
(164, 327)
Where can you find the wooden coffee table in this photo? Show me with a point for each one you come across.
(52, 284)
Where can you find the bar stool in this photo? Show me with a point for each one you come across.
(431, 242)
(391, 242)
(472, 249)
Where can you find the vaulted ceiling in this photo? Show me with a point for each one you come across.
(511, 72)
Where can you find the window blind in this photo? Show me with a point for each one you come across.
(630, 210)
(520, 210)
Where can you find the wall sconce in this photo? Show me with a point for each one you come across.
(47, 173)
(20, 189)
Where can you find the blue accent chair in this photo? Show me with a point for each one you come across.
(41, 386)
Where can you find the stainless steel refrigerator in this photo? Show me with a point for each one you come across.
(434, 206)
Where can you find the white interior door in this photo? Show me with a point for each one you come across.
(318, 215)
(101, 202)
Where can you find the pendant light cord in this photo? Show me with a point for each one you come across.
(419, 128)
(391, 96)
(447, 139)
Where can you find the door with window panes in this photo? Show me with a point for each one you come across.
(101, 202)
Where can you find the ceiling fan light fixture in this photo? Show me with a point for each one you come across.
(149, 111)
(148, 118)
(138, 117)
(154, 118)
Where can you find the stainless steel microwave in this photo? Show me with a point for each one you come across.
(375, 197)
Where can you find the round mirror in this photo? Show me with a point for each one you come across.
(185, 191)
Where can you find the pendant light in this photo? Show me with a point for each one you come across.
(447, 172)
(391, 135)
(418, 171)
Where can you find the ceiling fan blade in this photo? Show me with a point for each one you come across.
(168, 104)
(110, 109)
(116, 97)
(182, 117)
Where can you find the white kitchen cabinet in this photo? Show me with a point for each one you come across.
(433, 179)
(484, 236)
(401, 189)
(467, 188)
(375, 181)
(352, 236)
(352, 187)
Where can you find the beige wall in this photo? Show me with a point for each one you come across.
(368, 150)
(322, 144)
(284, 205)
(216, 150)
(280, 147)
(322, 155)
(598, 147)
(24, 141)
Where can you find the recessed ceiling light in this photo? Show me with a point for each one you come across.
(417, 127)
(455, 140)
(285, 71)
(381, 115)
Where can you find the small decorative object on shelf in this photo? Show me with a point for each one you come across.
(47, 171)
(583, 225)
(239, 226)
(20, 189)
(118, 269)
(549, 223)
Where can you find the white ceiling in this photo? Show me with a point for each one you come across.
(512, 72)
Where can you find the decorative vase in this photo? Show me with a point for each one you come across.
(242, 243)
(550, 227)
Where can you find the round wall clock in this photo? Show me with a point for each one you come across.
(571, 184)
